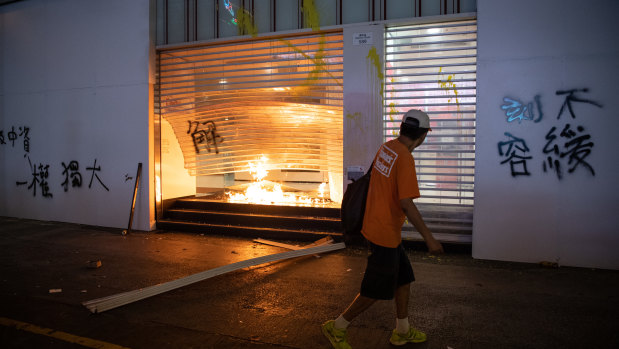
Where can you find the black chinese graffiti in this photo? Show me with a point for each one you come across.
(576, 148)
(13, 135)
(71, 171)
(204, 133)
(514, 151)
(71, 174)
(39, 178)
(570, 98)
(563, 152)
(94, 170)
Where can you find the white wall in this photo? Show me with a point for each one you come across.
(528, 48)
(76, 73)
(362, 100)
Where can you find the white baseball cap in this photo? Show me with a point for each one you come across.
(416, 118)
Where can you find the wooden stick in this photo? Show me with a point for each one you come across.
(135, 192)
(106, 303)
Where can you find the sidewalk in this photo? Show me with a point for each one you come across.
(459, 302)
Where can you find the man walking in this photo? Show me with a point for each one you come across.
(388, 274)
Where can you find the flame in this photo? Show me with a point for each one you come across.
(321, 190)
(264, 192)
(258, 170)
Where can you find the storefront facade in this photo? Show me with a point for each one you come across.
(288, 110)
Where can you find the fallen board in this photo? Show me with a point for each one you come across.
(106, 303)
(324, 241)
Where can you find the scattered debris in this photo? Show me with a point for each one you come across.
(94, 264)
(547, 264)
(114, 301)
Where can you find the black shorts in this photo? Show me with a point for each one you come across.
(387, 269)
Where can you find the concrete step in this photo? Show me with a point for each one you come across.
(247, 231)
(255, 220)
(201, 204)
(247, 220)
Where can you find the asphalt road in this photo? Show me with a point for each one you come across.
(458, 301)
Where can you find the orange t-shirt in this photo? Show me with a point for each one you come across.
(393, 178)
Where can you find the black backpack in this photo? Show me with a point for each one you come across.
(353, 206)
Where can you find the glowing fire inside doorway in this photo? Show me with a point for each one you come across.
(264, 192)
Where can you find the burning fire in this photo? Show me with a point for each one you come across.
(265, 192)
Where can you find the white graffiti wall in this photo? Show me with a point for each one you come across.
(74, 111)
(548, 114)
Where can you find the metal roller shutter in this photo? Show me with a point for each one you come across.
(230, 104)
(432, 67)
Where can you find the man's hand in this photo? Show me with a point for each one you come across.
(413, 215)
(434, 246)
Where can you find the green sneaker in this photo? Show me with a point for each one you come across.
(413, 336)
(336, 336)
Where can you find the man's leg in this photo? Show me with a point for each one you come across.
(358, 306)
(404, 333)
(402, 294)
(335, 330)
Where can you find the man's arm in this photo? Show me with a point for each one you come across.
(413, 215)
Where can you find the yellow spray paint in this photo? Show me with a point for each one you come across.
(375, 69)
(353, 116)
(245, 23)
(375, 61)
(310, 15)
(392, 109)
(448, 85)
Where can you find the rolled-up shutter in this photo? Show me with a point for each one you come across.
(432, 67)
